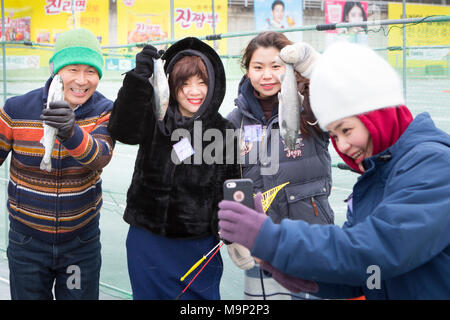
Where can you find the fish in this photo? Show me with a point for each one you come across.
(55, 93)
(289, 107)
(161, 88)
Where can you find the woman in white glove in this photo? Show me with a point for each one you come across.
(307, 168)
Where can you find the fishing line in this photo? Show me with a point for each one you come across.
(386, 33)
(198, 262)
(221, 243)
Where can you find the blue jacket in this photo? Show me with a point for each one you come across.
(399, 228)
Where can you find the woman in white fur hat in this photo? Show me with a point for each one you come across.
(395, 243)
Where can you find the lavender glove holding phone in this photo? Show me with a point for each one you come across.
(238, 223)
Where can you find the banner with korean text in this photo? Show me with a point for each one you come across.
(150, 20)
(43, 20)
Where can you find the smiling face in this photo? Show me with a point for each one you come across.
(191, 95)
(263, 71)
(80, 82)
(278, 13)
(352, 139)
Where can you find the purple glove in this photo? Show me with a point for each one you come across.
(239, 223)
(290, 283)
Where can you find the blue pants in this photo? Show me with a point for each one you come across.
(73, 267)
(156, 264)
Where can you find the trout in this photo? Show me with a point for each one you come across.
(289, 107)
(55, 93)
(161, 88)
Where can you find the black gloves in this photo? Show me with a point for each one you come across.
(60, 116)
(144, 61)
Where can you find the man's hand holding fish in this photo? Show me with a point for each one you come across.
(61, 116)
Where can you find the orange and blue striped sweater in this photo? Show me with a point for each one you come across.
(54, 206)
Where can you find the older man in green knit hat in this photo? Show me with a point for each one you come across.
(54, 237)
(78, 59)
(78, 46)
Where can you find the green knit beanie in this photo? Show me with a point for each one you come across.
(77, 46)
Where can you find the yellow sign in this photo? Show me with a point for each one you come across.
(196, 18)
(420, 34)
(142, 21)
(43, 20)
(150, 20)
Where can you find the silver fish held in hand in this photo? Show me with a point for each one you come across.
(55, 93)
(161, 88)
(289, 107)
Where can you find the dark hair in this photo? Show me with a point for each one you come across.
(349, 6)
(183, 69)
(276, 2)
(265, 40)
(278, 40)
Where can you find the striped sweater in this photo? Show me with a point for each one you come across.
(54, 206)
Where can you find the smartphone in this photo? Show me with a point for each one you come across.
(239, 190)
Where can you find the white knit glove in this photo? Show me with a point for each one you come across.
(241, 256)
(302, 56)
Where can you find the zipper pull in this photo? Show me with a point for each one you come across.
(314, 206)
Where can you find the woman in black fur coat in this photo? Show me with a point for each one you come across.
(172, 200)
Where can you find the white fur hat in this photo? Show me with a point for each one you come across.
(351, 79)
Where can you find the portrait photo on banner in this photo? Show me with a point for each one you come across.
(279, 14)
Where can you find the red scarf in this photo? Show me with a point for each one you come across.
(385, 127)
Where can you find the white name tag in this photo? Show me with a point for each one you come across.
(183, 149)
(253, 133)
